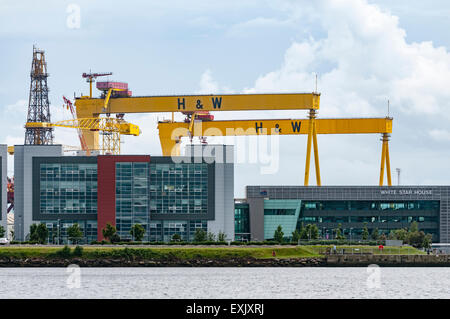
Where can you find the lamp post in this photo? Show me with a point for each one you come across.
(59, 232)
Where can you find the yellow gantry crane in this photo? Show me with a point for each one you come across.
(110, 128)
(170, 134)
(89, 107)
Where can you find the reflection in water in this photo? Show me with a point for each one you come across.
(225, 283)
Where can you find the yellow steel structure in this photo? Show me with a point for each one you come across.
(111, 129)
(385, 159)
(87, 107)
(170, 134)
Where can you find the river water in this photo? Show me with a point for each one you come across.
(245, 283)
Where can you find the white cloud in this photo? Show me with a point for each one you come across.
(440, 135)
(370, 61)
(246, 28)
(205, 22)
(13, 117)
(363, 60)
(209, 86)
(19, 107)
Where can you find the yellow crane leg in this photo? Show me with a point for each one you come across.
(388, 164)
(106, 101)
(316, 155)
(170, 147)
(308, 151)
(383, 160)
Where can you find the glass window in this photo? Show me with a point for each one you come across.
(68, 188)
(132, 198)
(180, 188)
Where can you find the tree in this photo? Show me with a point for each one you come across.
(416, 238)
(302, 232)
(375, 234)
(295, 236)
(33, 233)
(278, 235)
(427, 241)
(391, 235)
(75, 233)
(313, 231)
(414, 227)
(339, 234)
(211, 236)
(365, 232)
(176, 237)
(109, 231)
(221, 236)
(401, 234)
(137, 231)
(42, 233)
(383, 237)
(2, 231)
(38, 233)
(200, 235)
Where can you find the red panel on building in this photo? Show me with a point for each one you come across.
(106, 185)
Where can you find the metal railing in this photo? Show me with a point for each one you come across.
(374, 250)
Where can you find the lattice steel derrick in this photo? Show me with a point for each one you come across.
(38, 103)
(111, 137)
(110, 143)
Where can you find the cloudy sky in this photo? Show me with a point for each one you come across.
(363, 51)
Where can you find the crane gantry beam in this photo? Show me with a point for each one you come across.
(111, 129)
(170, 134)
(87, 107)
(180, 103)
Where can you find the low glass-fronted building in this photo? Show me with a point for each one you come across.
(385, 215)
(353, 208)
(165, 195)
(65, 192)
(241, 220)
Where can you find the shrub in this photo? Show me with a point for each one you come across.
(109, 231)
(278, 235)
(75, 233)
(200, 235)
(137, 231)
(64, 252)
(78, 251)
(221, 237)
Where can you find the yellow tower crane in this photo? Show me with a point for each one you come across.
(111, 129)
(170, 134)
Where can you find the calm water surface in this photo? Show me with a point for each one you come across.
(225, 283)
